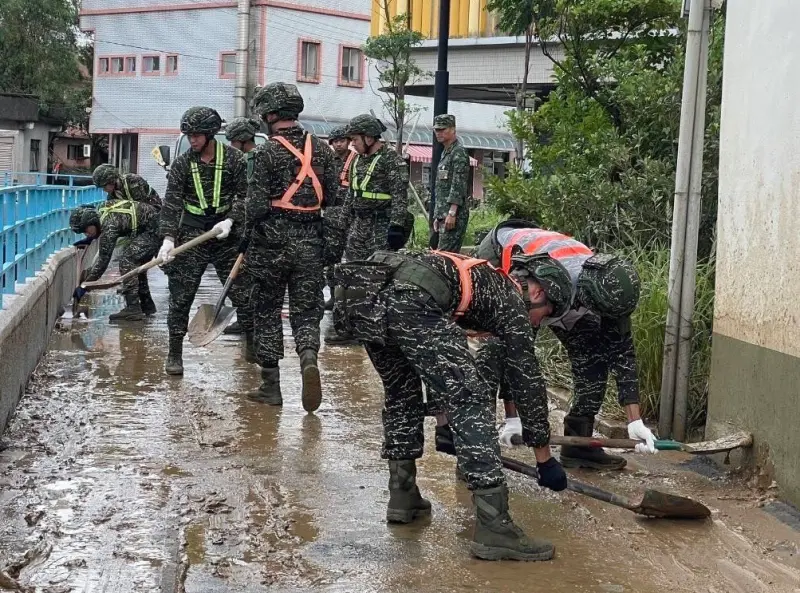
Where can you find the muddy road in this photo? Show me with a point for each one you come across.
(117, 478)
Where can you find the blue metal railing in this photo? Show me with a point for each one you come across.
(35, 224)
(9, 178)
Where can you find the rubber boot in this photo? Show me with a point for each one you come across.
(148, 306)
(174, 364)
(312, 386)
(405, 501)
(131, 312)
(334, 338)
(588, 457)
(250, 348)
(496, 537)
(233, 328)
(444, 440)
(270, 390)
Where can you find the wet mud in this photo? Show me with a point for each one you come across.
(117, 478)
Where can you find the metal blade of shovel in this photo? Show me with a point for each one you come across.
(210, 320)
(653, 504)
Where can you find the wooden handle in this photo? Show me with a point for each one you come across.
(228, 283)
(593, 442)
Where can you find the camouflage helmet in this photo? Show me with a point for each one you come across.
(242, 129)
(339, 133)
(609, 285)
(201, 120)
(83, 217)
(365, 125)
(105, 174)
(550, 274)
(281, 98)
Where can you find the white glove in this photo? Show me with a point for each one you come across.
(638, 431)
(165, 252)
(513, 426)
(226, 226)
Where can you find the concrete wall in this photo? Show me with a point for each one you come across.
(26, 321)
(40, 132)
(756, 350)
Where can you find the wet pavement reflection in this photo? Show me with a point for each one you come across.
(115, 477)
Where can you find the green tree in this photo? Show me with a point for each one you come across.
(390, 53)
(38, 49)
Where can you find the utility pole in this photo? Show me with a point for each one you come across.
(685, 227)
(242, 59)
(440, 95)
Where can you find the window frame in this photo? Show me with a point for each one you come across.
(37, 152)
(221, 72)
(301, 76)
(167, 71)
(361, 66)
(99, 70)
(146, 57)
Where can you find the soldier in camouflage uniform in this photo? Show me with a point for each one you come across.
(451, 214)
(241, 133)
(117, 219)
(595, 330)
(125, 187)
(377, 201)
(294, 178)
(411, 312)
(206, 189)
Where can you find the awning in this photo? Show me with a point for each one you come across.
(423, 154)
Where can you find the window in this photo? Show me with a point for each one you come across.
(151, 65)
(102, 66)
(117, 65)
(75, 152)
(35, 145)
(352, 61)
(308, 69)
(130, 65)
(227, 65)
(172, 64)
(426, 175)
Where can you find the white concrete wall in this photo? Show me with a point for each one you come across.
(758, 249)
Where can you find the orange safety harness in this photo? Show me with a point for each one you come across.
(464, 264)
(306, 171)
(344, 176)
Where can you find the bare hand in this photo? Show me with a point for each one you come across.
(449, 223)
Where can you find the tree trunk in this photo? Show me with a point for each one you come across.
(523, 92)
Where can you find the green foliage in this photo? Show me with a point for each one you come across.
(390, 53)
(481, 220)
(649, 325)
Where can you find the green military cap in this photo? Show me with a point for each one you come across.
(443, 121)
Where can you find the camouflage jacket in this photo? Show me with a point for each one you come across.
(181, 191)
(115, 225)
(452, 179)
(274, 170)
(389, 176)
(135, 187)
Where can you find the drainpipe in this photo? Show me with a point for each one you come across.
(440, 95)
(685, 227)
(242, 59)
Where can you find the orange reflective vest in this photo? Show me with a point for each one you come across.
(464, 264)
(560, 247)
(344, 176)
(306, 171)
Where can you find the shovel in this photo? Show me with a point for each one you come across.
(653, 504)
(210, 320)
(97, 284)
(721, 445)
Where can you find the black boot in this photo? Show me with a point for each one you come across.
(148, 306)
(174, 365)
(131, 312)
(233, 328)
(444, 440)
(496, 537)
(270, 390)
(312, 386)
(588, 457)
(250, 348)
(405, 501)
(336, 339)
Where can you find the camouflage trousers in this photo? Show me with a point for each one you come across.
(596, 348)
(286, 254)
(453, 239)
(422, 345)
(368, 234)
(140, 250)
(186, 271)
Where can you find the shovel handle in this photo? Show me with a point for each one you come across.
(237, 265)
(157, 261)
(662, 445)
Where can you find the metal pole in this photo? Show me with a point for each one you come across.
(440, 88)
(242, 59)
(679, 212)
(684, 363)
